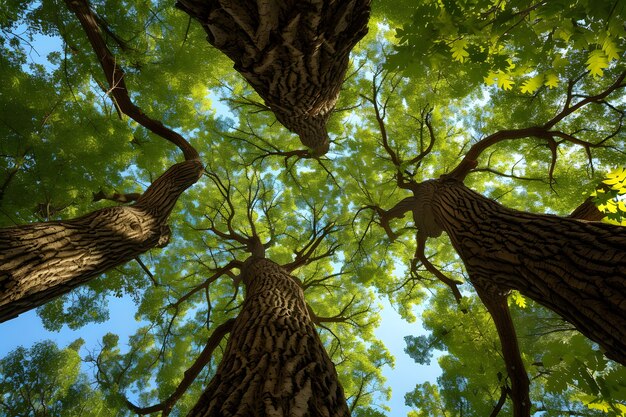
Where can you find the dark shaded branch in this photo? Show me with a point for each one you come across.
(10, 173)
(380, 113)
(340, 317)
(396, 212)
(305, 256)
(115, 77)
(498, 308)
(268, 149)
(496, 409)
(117, 197)
(249, 240)
(502, 174)
(425, 120)
(419, 255)
(190, 374)
(147, 271)
(5, 184)
(587, 211)
(221, 271)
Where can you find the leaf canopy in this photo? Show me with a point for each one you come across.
(428, 81)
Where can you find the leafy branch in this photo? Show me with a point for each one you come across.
(340, 317)
(248, 241)
(115, 77)
(545, 131)
(190, 374)
(381, 106)
(306, 254)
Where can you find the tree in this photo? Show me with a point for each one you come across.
(45, 380)
(262, 197)
(44, 260)
(294, 54)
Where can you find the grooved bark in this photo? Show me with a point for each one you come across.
(274, 364)
(575, 268)
(41, 261)
(293, 53)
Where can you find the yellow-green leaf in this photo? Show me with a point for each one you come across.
(531, 85)
(491, 78)
(610, 49)
(616, 178)
(560, 62)
(458, 48)
(505, 81)
(597, 62)
(552, 80)
(519, 299)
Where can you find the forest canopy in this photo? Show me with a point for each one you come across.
(522, 102)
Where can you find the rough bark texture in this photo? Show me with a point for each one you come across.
(41, 261)
(575, 268)
(274, 364)
(294, 53)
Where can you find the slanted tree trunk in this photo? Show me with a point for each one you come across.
(274, 364)
(41, 261)
(573, 267)
(294, 53)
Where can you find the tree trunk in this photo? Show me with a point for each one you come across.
(573, 267)
(293, 53)
(41, 261)
(274, 363)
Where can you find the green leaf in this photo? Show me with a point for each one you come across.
(597, 62)
(519, 299)
(459, 49)
(505, 81)
(552, 80)
(531, 85)
(610, 49)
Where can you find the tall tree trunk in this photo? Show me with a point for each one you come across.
(41, 261)
(274, 364)
(573, 267)
(293, 53)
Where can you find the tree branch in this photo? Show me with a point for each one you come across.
(41, 261)
(115, 77)
(419, 255)
(190, 374)
(396, 212)
(496, 409)
(496, 304)
(305, 256)
(117, 197)
(470, 160)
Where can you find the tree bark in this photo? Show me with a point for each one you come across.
(293, 53)
(41, 261)
(575, 268)
(274, 363)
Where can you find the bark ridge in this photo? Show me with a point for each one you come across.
(275, 363)
(41, 261)
(574, 267)
(293, 53)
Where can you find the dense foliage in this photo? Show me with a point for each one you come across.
(427, 82)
